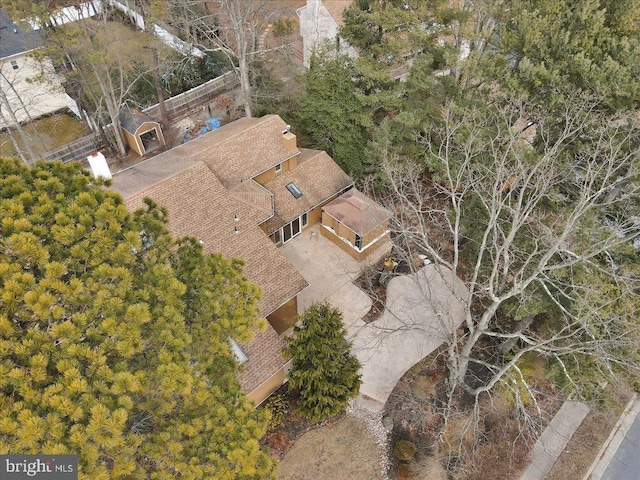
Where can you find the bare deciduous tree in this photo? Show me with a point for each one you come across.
(228, 26)
(530, 215)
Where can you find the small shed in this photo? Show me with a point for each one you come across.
(140, 131)
(355, 222)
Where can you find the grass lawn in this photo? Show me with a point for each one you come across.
(45, 134)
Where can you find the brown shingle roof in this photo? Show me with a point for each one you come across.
(242, 149)
(357, 212)
(317, 176)
(336, 9)
(200, 206)
(256, 196)
(264, 353)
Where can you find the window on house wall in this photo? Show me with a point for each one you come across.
(14, 64)
(278, 167)
(358, 243)
(295, 191)
(277, 238)
(295, 227)
(305, 219)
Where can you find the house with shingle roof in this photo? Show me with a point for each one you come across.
(24, 96)
(243, 190)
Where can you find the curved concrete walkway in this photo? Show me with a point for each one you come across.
(421, 313)
(421, 310)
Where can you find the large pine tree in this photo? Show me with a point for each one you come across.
(323, 368)
(114, 337)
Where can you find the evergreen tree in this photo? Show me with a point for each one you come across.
(339, 104)
(323, 367)
(553, 47)
(103, 336)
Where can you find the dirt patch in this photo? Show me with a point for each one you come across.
(345, 450)
(349, 446)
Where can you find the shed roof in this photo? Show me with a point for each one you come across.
(317, 176)
(357, 212)
(242, 149)
(132, 120)
(14, 39)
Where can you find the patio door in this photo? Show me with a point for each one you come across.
(291, 230)
(286, 233)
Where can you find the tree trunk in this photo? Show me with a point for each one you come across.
(159, 90)
(18, 127)
(245, 86)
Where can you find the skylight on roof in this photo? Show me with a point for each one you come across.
(295, 191)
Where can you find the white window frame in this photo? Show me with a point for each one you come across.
(303, 221)
(358, 240)
(237, 352)
(278, 167)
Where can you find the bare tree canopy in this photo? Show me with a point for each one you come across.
(538, 215)
(228, 26)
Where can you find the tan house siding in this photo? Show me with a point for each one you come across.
(340, 233)
(289, 142)
(339, 229)
(261, 393)
(284, 317)
(131, 140)
(314, 215)
(285, 166)
(346, 247)
(375, 233)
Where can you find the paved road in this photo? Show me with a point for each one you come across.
(625, 464)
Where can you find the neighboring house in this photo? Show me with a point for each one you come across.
(22, 96)
(242, 190)
(320, 23)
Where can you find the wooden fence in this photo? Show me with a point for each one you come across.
(75, 150)
(177, 107)
(180, 105)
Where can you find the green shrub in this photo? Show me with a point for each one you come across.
(322, 367)
(404, 450)
(282, 28)
(277, 405)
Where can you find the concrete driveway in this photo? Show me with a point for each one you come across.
(421, 310)
(421, 313)
(330, 273)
